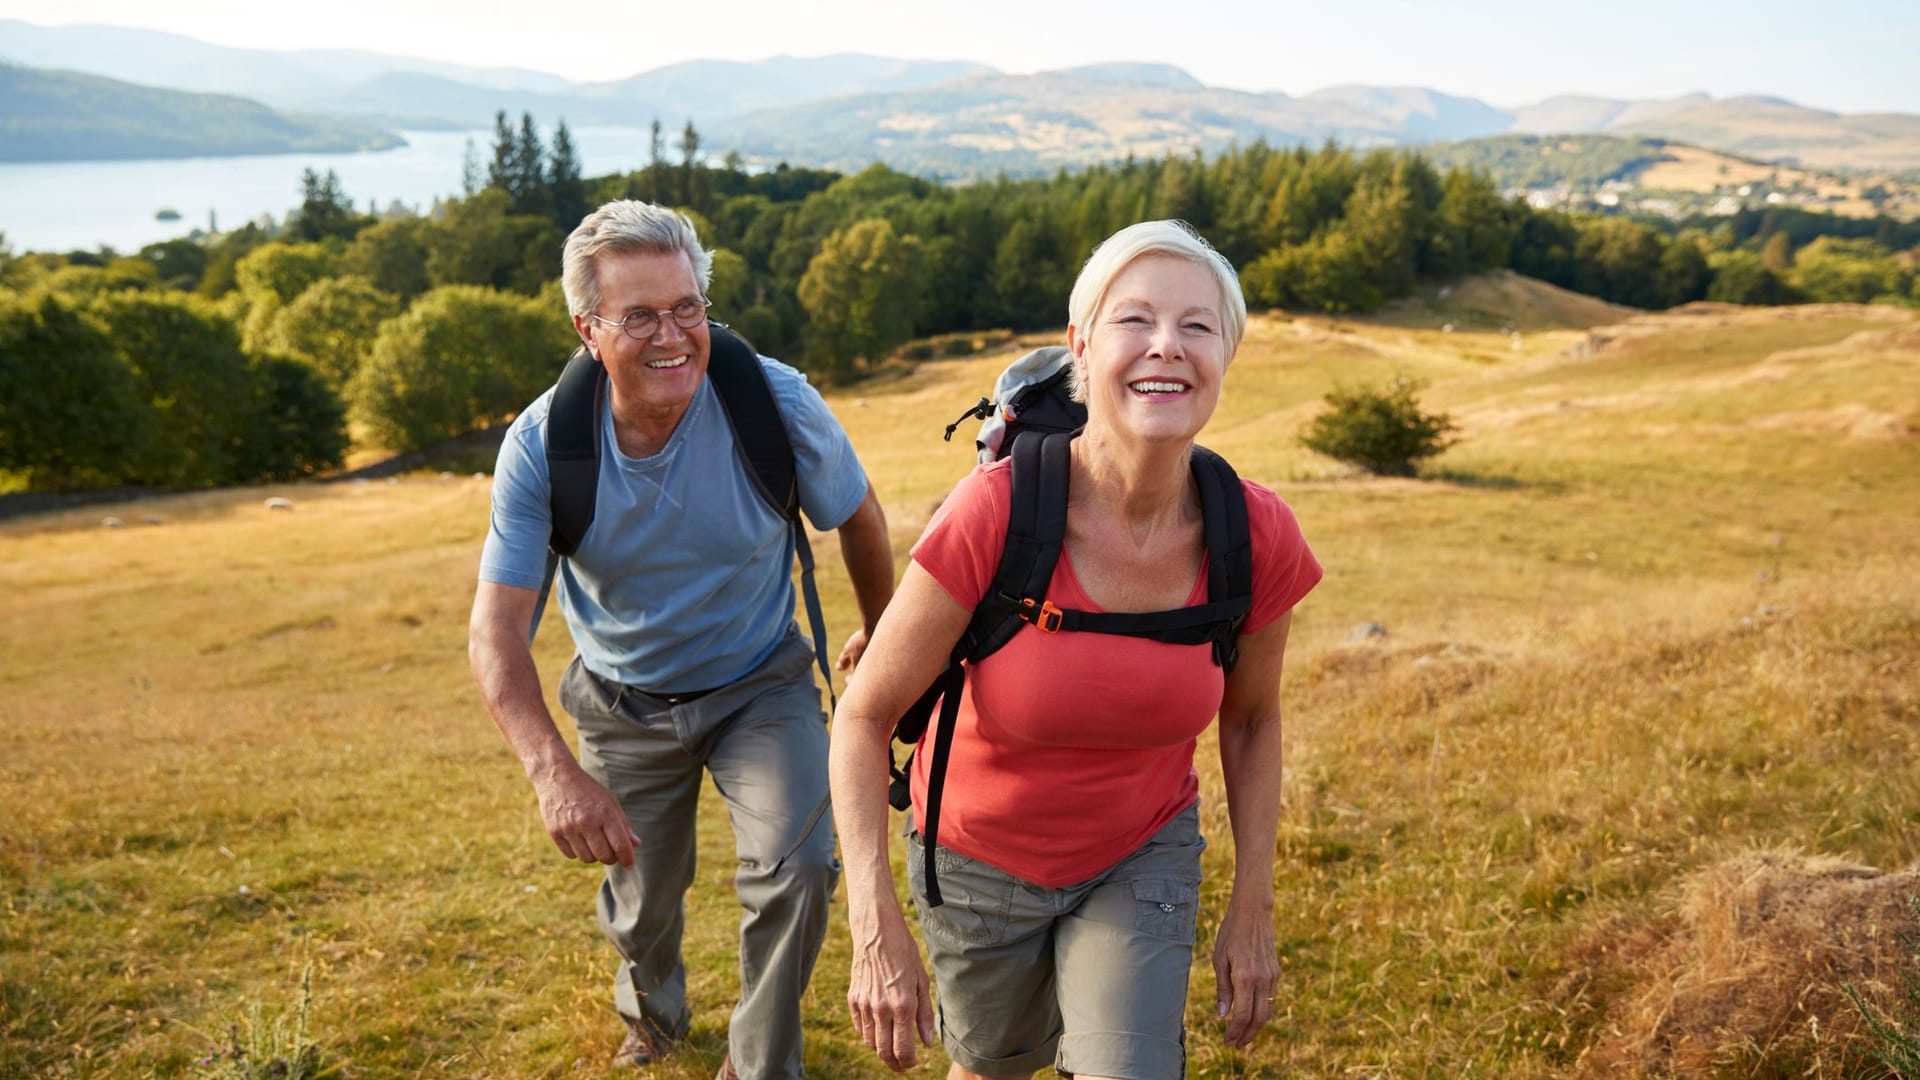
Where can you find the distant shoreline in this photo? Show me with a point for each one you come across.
(381, 143)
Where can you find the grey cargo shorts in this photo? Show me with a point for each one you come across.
(1091, 978)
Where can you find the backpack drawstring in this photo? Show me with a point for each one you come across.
(979, 412)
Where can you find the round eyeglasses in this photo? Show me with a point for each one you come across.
(643, 325)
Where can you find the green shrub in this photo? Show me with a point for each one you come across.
(1382, 431)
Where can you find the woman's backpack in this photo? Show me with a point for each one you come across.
(1032, 420)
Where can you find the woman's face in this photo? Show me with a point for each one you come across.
(1153, 360)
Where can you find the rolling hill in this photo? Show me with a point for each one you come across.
(68, 116)
(1079, 116)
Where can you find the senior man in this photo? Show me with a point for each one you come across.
(680, 600)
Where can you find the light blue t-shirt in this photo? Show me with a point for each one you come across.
(684, 580)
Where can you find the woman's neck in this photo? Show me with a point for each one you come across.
(1145, 486)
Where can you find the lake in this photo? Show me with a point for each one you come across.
(60, 206)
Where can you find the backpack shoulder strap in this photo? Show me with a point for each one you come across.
(1036, 529)
(734, 369)
(1223, 512)
(733, 366)
(573, 449)
(573, 465)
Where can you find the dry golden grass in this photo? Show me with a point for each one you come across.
(1639, 624)
(1751, 972)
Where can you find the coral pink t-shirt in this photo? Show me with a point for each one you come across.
(1072, 749)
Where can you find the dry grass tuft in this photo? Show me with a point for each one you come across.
(1746, 972)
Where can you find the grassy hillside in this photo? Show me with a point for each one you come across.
(1538, 161)
(1657, 608)
(67, 116)
(1679, 178)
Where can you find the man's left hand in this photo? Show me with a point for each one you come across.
(850, 654)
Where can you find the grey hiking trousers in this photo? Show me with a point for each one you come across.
(764, 739)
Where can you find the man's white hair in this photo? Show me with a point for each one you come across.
(623, 227)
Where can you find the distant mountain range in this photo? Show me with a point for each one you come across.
(947, 119)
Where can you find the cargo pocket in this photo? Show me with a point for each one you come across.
(585, 695)
(1165, 908)
(976, 897)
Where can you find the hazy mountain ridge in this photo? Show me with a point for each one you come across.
(294, 79)
(946, 118)
(1077, 116)
(383, 85)
(65, 115)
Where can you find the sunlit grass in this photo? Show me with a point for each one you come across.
(1628, 636)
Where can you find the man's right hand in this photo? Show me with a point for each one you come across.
(583, 818)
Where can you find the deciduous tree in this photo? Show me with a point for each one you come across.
(861, 294)
(72, 413)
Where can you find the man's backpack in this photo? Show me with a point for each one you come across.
(573, 458)
(1035, 422)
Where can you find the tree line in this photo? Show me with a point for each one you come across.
(418, 328)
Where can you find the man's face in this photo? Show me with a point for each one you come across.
(661, 374)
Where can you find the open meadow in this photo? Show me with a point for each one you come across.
(1658, 609)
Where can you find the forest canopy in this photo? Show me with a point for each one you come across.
(239, 356)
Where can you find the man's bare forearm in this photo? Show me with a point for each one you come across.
(509, 681)
(868, 552)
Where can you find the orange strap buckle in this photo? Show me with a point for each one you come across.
(1050, 616)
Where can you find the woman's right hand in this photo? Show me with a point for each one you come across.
(889, 996)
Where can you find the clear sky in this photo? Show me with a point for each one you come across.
(1846, 55)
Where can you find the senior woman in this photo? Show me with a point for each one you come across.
(1069, 843)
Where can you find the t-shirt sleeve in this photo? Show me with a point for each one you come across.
(962, 544)
(521, 519)
(832, 482)
(1284, 568)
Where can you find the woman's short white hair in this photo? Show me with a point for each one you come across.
(1117, 252)
(623, 227)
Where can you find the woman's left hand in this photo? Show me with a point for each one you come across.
(1246, 970)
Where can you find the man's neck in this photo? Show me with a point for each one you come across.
(641, 431)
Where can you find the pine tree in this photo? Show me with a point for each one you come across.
(470, 182)
(656, 163)
(529, 180)
(324, 209)
(689, 151)
(569, 195)
(500, 169)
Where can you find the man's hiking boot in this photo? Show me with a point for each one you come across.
(642, 1046)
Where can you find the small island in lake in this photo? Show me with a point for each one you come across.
(166, 213)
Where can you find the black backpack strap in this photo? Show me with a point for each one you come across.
(734, 369)
(1195, 625)
(1223, 510)
(1036, 529)
(573, 465)
(573, 449)
(733, 366)
(949, 686)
